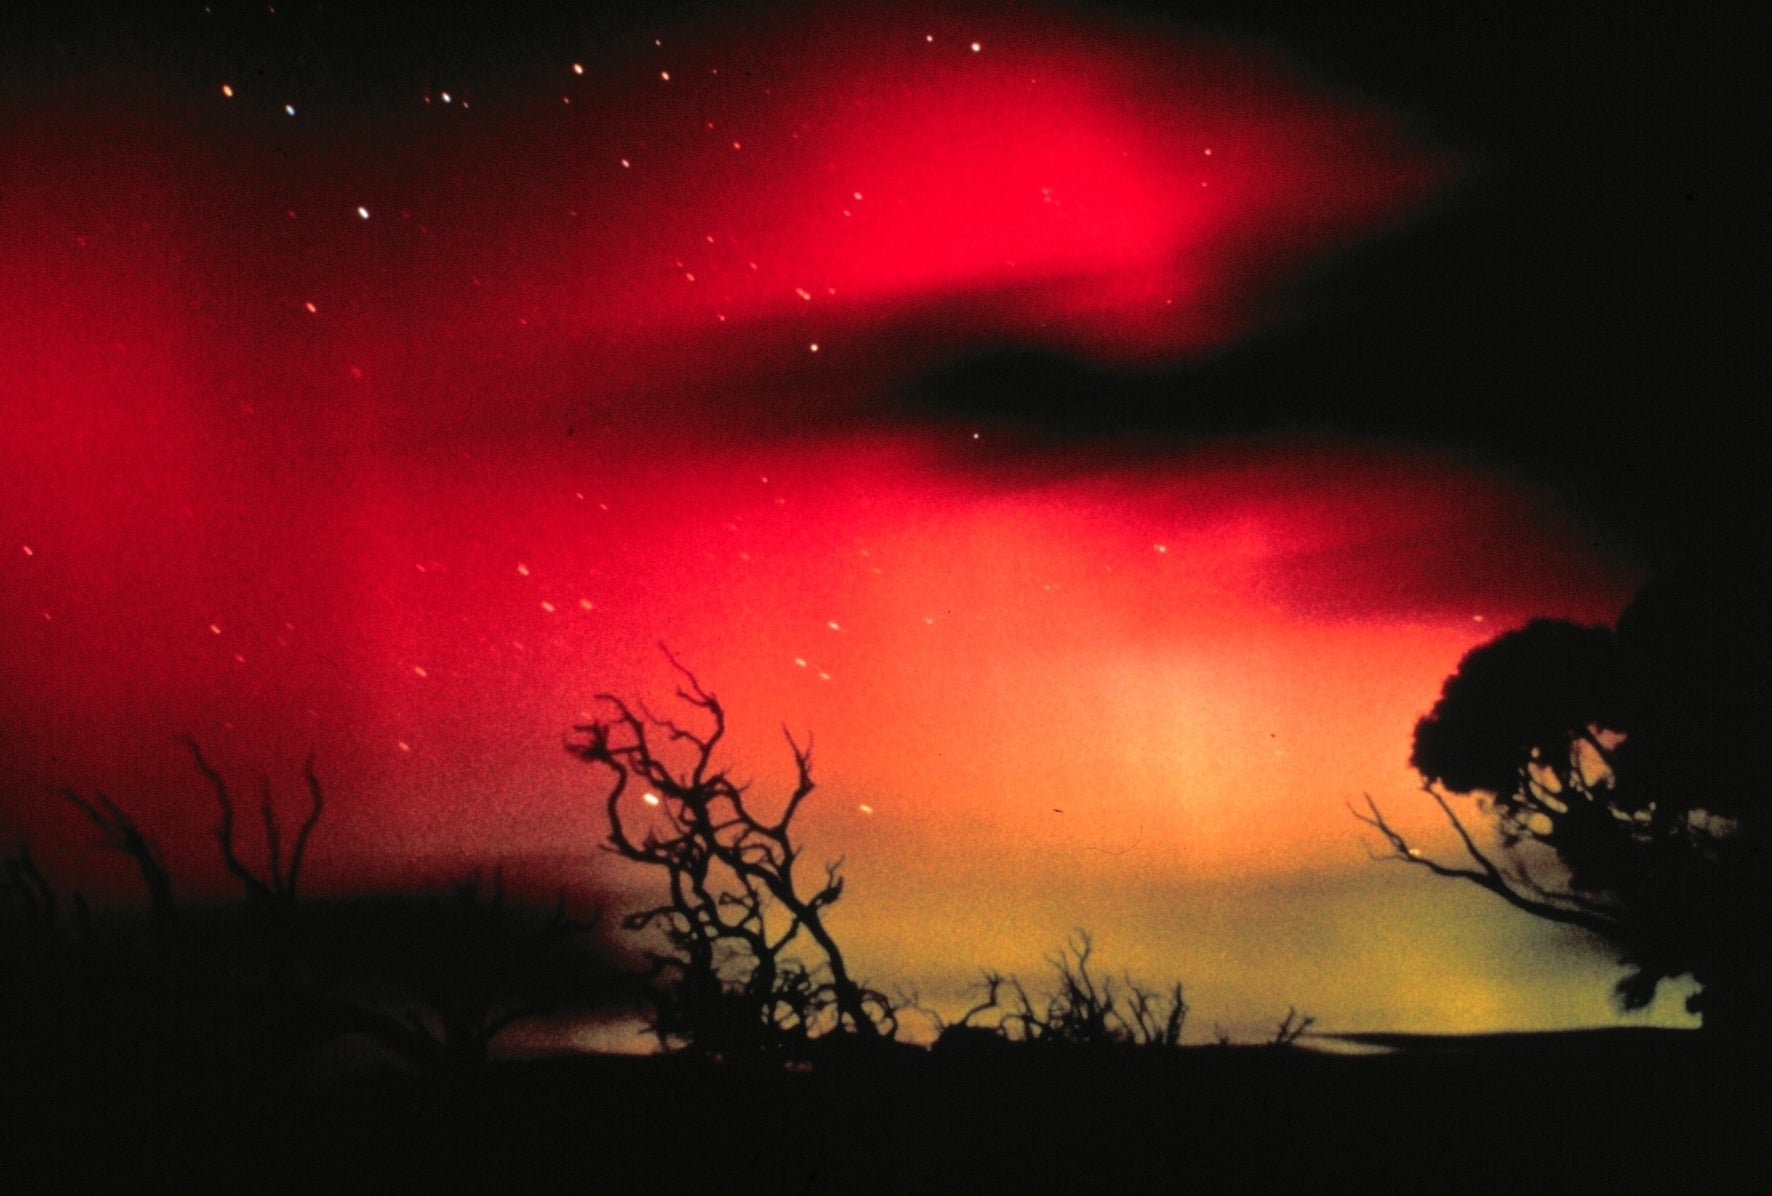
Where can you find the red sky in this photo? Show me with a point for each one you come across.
(399, 429)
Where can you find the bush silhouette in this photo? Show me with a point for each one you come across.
(1082, 1010)
(257, 984)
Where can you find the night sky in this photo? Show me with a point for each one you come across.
(1101, 434)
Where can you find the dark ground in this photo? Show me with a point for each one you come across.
(1608, 1111)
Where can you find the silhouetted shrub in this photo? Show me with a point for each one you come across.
(255, 985)
(1082, 1010)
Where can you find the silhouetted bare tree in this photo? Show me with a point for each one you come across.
(1619, 773)
(735, 902)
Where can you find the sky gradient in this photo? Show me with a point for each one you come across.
(393, 415)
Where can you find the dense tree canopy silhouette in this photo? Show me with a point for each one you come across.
(1619, 770)
(735, 904)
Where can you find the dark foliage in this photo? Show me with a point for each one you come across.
(437, 978)
(1620, 771)
(1524, 698)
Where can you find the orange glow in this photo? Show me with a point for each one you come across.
(410, 490)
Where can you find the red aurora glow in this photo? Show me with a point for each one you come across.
(1118, 193)
(400, 429)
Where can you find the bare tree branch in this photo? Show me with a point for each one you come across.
(729, 874)
(281, 877)
(1291, 1028)
(224, 833)
(316, 805)
(1486, 874)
